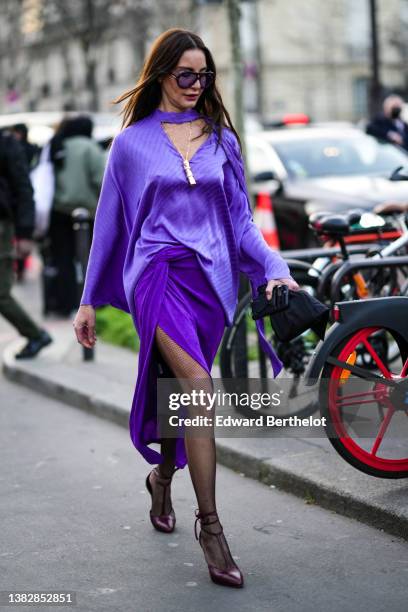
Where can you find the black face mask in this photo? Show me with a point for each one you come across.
(395, 112)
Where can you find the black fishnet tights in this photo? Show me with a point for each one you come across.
(200, 451)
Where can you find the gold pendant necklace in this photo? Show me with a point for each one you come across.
(186, 162)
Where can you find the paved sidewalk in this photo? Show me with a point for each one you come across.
(307, 467)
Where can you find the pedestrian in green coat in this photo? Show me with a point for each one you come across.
(79, 163)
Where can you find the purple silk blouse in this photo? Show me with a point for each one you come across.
(146, 203)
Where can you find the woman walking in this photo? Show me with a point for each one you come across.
(173, 229)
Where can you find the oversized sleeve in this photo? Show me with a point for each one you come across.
(257, 260)
(104, 274)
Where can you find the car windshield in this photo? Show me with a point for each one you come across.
(339, 156)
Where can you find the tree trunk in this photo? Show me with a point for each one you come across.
(90, 75)
(89, 48)
(234, 14)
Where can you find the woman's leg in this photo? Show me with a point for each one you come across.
(200, 451)
(165, 469)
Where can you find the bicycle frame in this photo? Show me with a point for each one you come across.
(304, 255)
(350, 267)
(327, 273)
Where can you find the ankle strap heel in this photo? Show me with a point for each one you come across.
(162, 522)
(200, 516)
(231, 576)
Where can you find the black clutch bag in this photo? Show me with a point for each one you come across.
(291, 312)
(261, 306)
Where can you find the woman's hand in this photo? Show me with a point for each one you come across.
(84, 325)
(292, 284)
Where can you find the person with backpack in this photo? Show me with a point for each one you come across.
(16, 221)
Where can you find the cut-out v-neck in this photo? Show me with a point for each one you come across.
(170, 141)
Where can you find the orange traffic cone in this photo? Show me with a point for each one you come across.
(265, 219)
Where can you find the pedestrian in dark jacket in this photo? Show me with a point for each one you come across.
(17, 216)
(388, 125)
(32, 153)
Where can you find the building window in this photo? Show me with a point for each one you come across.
(66, 85)
(45, 90)
(357, 32)
(360, 97)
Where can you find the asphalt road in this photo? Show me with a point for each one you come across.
(75, 517)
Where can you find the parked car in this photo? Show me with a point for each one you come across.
(41, 125)
(317, 167)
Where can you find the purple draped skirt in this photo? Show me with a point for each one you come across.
(174, 293)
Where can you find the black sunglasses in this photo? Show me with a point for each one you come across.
(187, 78)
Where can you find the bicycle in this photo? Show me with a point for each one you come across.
(315, 275)
(366, 439)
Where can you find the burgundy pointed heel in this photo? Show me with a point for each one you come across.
(228, 577)
(162, 522)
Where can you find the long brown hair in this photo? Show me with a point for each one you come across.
(164, 55)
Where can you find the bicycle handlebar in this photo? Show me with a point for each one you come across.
(314, 253)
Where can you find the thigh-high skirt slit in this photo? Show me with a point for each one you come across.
(174, 293)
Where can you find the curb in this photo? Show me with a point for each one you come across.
(263, 471)
(313, 492)
(68, 395)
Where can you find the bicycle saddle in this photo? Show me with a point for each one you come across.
(315, 217)
(335, 224)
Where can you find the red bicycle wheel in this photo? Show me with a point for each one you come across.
(365, 426)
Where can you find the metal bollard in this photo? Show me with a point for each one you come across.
(241, 357)
(81, 224)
